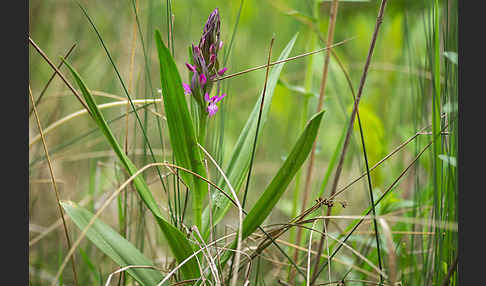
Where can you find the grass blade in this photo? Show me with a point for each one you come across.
(114, 245)
(181, 129)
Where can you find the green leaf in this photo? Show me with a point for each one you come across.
(114, 245)
(181, 129)
(284, 176)
(178, 243)
(240, 159)
(282, 179)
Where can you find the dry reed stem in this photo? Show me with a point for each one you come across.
(354, 251)
(313, 252)
(37, 102)
(360, 91)
(282, 61)
(379, 20)
(56, 192)
(39, 50)
(330, 39)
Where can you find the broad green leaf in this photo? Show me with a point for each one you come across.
(114, 245)
(181, 129)
(240, 159)
(284, 176)
(178, 243)
(282, 179)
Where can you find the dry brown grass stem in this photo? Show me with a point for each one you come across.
(379, 20)
(308, 179)
(39, 50)
(37, 102)
(325, 234)
(54, 185)
(283, 61)
(313, 252)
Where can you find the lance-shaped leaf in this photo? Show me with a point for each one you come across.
(240, 159)
(181, 129)
(114, 245)
(178, 243)
(280, 182)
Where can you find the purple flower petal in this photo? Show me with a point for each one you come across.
(212, 58)
(206, 97)
(218, 98)
(220, 44)
(222, 71)
(212, 108)
(187, 88)
(202, 79)
(191, 67)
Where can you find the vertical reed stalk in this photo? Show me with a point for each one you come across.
(330, 39)
(54, 185)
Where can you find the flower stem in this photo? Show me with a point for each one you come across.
(203, 121)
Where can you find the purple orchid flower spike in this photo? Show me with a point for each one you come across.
(204, 66)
